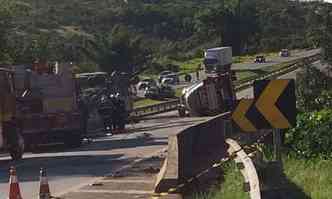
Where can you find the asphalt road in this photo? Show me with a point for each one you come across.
(273, 60)
(248, 93)
(69, 169)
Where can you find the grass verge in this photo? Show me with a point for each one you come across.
(313, 177)
(246, 75)
(146, 102)
(232, 188)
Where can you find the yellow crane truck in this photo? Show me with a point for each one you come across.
(38, 107)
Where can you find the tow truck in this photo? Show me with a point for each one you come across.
(38, 105)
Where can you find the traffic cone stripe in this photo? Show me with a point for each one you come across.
(13, 179)
(44, 189)
(43, 180)
(14, 188)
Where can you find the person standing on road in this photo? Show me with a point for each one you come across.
(83, 107)
(105, 110)
(199, 68)
(115, 114)
(122, 116)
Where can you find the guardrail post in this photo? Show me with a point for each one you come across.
(228, 128)
(277, 145)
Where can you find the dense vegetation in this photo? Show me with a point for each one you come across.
(311, 136)
(141, 33)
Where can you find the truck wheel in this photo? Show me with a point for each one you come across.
(73, 140)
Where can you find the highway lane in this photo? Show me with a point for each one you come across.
(67, 169)
(273, 60)
(248, 93)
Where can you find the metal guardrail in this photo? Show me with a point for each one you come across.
(173, 104)
(155, 109)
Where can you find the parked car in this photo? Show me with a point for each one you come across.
(155, 92)
(152, 92)
(164, 74)
(171, 79)
(142, 85)
(260, 59)
(166, 91)
(284, 53)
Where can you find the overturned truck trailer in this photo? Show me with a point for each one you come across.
(215, 94)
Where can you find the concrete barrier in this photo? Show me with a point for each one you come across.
(191, 151)
(194, 152)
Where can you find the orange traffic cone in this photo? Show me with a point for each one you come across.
(44, 189)
(14, 188)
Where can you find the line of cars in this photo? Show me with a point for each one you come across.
(161, 88)
(262, 59)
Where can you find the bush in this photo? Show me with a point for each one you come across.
(313, 89)
(311, 137)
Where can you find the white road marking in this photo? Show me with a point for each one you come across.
(115, 191)
(125, 181)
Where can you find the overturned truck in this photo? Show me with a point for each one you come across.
(215, 94)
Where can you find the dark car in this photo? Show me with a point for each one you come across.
(172, 79)
(284, 53)
(164, 91)
(167, 74)
(260, 59)
(152, 92)
(142, 85)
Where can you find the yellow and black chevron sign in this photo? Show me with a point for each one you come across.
(274, 106)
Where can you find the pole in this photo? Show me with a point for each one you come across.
(277, 145)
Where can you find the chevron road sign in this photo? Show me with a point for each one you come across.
(274, 106)
(240, 118)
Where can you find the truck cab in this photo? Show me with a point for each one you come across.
(217, 60)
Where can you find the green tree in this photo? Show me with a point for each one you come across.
(326, 42)
(313, 87)
(118, 52)
(9, 9)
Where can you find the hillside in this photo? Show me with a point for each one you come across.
(172, 30)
